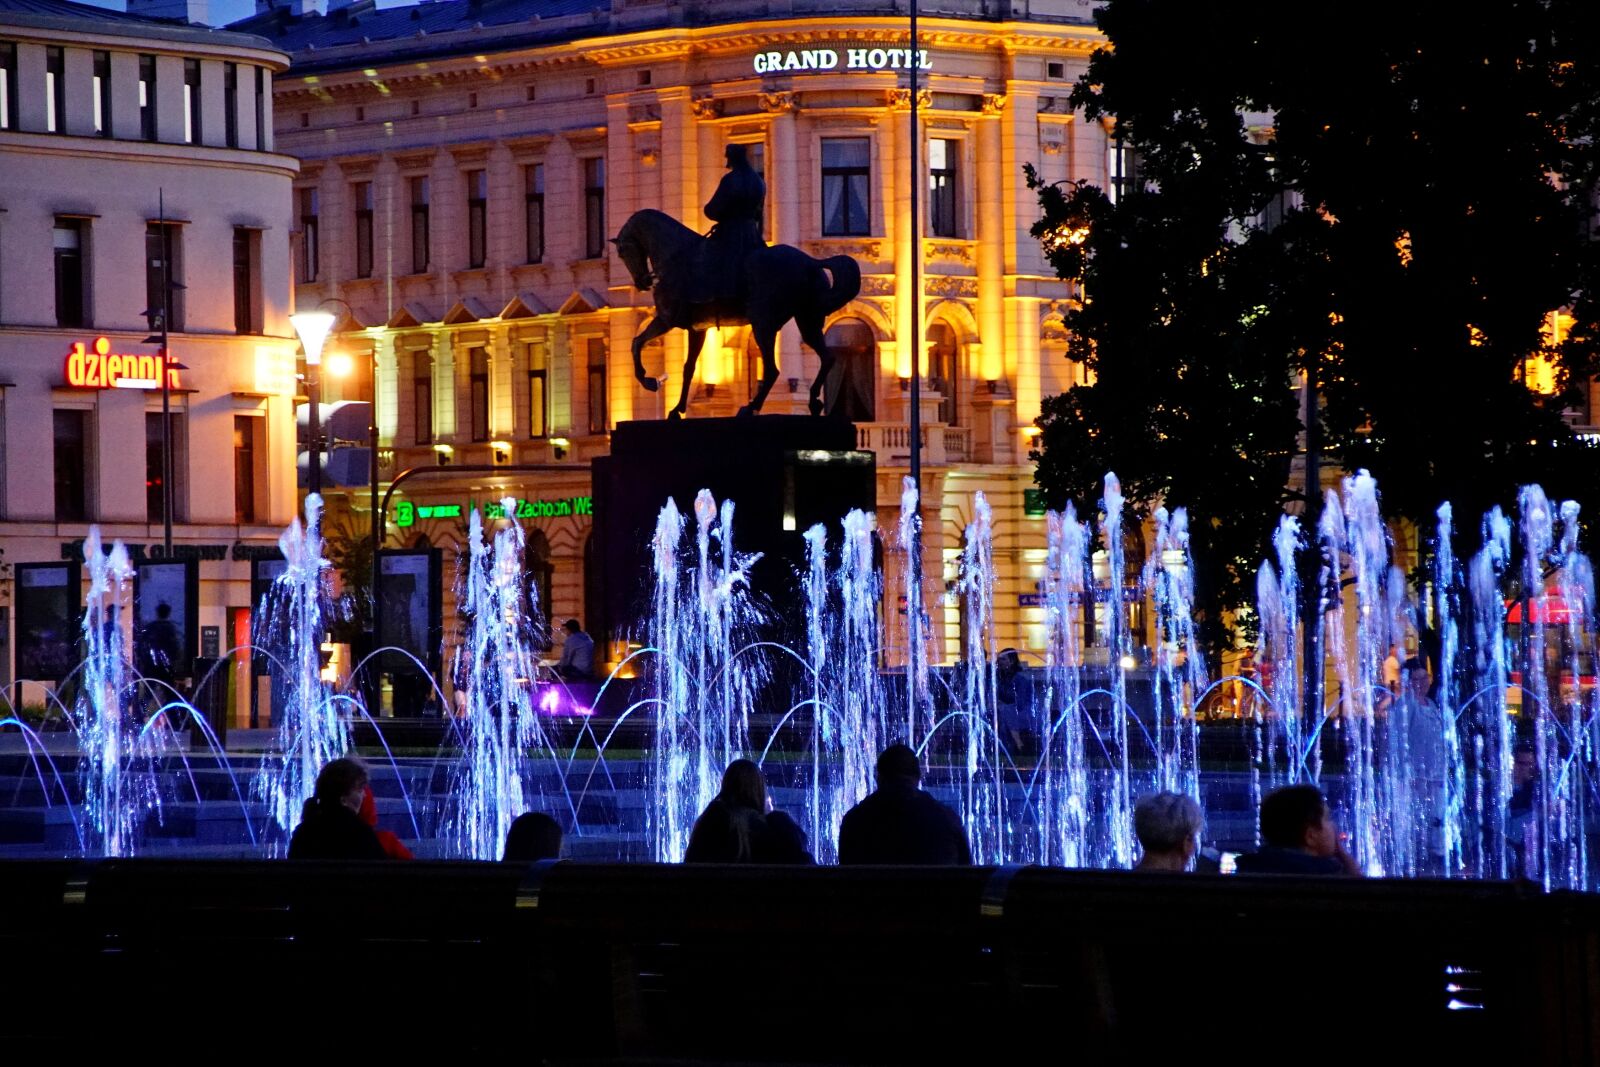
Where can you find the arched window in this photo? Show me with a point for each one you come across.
(852, 384)
(540, 571)
(942, 370)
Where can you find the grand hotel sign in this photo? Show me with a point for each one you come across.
(846, 57)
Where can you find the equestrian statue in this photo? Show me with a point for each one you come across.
(731, 278)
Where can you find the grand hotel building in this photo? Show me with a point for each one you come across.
(463, 163)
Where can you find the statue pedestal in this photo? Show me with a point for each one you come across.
(784, 473)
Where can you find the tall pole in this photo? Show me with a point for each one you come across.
(313, 386)
(914, 418)
(1311, 583)
(166, 359)
(377, 522)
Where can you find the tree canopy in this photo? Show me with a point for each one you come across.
(1403, 208)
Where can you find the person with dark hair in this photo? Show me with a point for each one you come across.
(739, 825)
(1301, 836)
(577, 654)
(533, 836)
(1522, 825)
(331, 827)
(1168, 828)
(900, 824)
(160, 646)
(393, 847)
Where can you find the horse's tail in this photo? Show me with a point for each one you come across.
(846, 283)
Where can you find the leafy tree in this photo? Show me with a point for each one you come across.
(1396, 212)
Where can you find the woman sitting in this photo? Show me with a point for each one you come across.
(331, 826)
(739, 825)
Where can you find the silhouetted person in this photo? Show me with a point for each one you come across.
(1168, 827)
(1014, 703)
(899, 823)
(533, 836)
(738, 826)
(1301, 834)
(161, 645)
(331, 827)
(393, 847)
(577, 654)
(1522, 824)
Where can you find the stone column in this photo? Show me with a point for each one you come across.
(991, 242)
(784, 192)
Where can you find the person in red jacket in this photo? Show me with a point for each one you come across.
(392, 846)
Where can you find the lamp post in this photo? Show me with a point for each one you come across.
(312, 328)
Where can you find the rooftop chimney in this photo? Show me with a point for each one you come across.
(196, 11)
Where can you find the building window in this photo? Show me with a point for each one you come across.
(310, 246)
(163, 276)
(230, 104)
(246, 247)
(478, 392)
(942, 361)
(72, 466)
(363, 199)
(69, 240)
(851, 385)
(147, 97)
(597, 385)
(477, 217)
(944, 198)
(191, 101)
(1055, 71)
(533, 181)
(244, 469)
(594, 207)
(532, 94)
(261, 109)
(419, 225)
(55, 90)
(8, 86)
(846, 184)
(422, 394)
(154, 454)
(102, 93)
(538, 393)
(1122, 170)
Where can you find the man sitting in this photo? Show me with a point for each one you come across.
(1301, 836)
(899, 823)
(577, 654)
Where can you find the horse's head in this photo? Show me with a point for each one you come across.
(634, 257)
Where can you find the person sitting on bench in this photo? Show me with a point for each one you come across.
(1301, 834)
(899, 823)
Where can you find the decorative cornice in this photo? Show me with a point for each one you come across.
(900, 99)
(877, 285)
(778, 103)
(706, 107)
(946, 285)
(994, 103)
(961, 252)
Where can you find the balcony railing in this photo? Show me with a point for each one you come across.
(891, 441)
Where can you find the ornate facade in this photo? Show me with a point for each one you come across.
(464, 163)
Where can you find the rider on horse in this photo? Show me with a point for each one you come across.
(736, 208)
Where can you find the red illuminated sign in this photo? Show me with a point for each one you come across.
(100, 368)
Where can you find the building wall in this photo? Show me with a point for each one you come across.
(658, 106)
(114, 186)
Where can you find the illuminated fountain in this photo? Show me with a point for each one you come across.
(311, 731)
(1423, 784)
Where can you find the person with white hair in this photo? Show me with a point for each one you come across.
(1168, 827)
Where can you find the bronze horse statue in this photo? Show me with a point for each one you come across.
(780, 283)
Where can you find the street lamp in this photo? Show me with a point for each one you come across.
(312, 327)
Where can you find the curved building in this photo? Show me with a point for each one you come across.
(142, 197)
